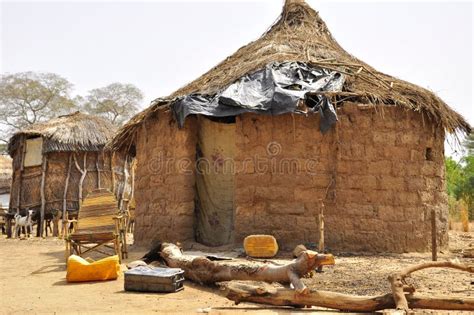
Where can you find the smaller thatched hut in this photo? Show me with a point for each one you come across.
(5, 180)
(56, 163)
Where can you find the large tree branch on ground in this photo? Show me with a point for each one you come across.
(204, 270)
(265, 294)
(399, 286)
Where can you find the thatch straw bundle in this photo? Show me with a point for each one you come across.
(300, 34)
(73, 132)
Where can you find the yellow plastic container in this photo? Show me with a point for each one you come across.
(328, 260)
(260, 246)
(324, 259)
(79, 269)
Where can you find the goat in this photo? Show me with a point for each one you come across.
(3, 220)
(23, 222)
(48, 217)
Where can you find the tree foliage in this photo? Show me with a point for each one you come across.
(453, 175)
(460, 177)
(116, 102)
(27, 98)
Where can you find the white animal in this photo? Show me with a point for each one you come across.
(23, 222)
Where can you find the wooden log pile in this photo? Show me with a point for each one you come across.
(225, 273)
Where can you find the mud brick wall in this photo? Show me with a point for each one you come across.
(164, 181)
(390, 177)
(282, 170)
(379, 172)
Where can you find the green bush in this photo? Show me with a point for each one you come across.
(460, 180)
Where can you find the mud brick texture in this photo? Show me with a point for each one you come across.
(379, 173)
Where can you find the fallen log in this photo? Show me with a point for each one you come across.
(264, 294)
(399, 285)
(205, 271)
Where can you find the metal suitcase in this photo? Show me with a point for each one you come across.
(154, 279)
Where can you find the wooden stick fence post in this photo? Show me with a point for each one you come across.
(20, 180)
(321, 230)
(112, 159)
(97, 162)
(434, 233)
(83, 175)
(43, 197)
(124, 186)
(66, 186)
(321, 233)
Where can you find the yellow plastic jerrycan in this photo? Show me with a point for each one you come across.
(79, 269)
(260, 246)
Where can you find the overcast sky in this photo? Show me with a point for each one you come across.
(161, 45)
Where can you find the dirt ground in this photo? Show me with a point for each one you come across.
(33, 271)
(367, 275)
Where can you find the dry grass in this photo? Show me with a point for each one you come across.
(458, 226)
(299, 34)
(464, 216)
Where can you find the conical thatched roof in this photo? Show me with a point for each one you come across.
(300, 34)
(5, 173)
(73, 132)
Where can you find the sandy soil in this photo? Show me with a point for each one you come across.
(32, 274)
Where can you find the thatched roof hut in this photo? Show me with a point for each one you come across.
(301, 35)
(74, 132)
(56, 163)
(377, 170)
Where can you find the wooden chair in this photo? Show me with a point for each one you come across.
(99, 226)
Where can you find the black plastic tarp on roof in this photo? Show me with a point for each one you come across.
(274, 90)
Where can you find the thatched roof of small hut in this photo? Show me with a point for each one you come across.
(299, 34)
(73, 132)
(5, 173)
